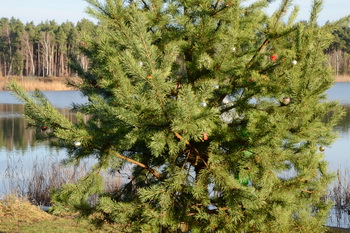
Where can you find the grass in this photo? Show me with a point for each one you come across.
(32, 83)
(342, 78)
(19, 215)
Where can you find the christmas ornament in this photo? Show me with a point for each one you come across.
(285, 101)
(216, 86)
(244, 180)
(82, 43)
(294, 62)
(205, 136)
(43, 128)
(244, 133)
(149, 77)
(247, 154)
(178, 85)
(140, 63)
(204, 104)
(229, 4)
(273, 57)
(77, 143)
(233, 49)
(322, 148)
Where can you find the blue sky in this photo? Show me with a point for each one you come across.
(73, 10)
(41, 10)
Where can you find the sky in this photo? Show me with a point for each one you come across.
(73, 10)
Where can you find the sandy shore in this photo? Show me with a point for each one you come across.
(59, 84)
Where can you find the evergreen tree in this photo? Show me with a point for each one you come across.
(220, 107)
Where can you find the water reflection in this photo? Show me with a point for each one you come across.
(14, 133)
(344, 124)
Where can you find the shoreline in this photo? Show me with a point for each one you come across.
(60, 84)
(41, 83)
(342, 79)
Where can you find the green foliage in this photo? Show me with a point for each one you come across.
(75, 197)
(341, 40)
(220, 108)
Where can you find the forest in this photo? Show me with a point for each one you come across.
(339, 52)
(41, 50)
(45, 49)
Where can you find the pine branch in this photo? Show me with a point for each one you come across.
(145, 4)
(187, 142)
(266, 42)
(216, 4)
(153, 172)
(222, 8)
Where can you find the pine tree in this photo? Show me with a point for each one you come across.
(220, 107)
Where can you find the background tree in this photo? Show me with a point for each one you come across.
(220, 108)
(339, 50)
(41, 50)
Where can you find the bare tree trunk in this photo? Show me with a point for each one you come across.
(30, 66)
(45, 51)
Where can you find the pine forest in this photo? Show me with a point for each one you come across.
(44, 49)
(41, 50)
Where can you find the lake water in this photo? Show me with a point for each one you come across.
(18, 149)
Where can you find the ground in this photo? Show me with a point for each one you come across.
(18, 215)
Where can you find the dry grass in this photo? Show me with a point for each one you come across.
(59, 84)
(342, 78)
(32, 83)
(15, 208)
(50, 174)
(340, 193)
(19, 215)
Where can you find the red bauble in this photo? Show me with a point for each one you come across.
(205, 136)
(178, 85)
(273, 57)
(43, 128)
(82, 43)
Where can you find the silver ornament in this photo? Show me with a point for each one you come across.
(294, 62)
(286, 100)
(204, 104)
(77, 143)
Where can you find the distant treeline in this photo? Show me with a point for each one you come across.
(44, 49)
(41, 50)
(339, 51)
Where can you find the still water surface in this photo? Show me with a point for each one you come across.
(17, 144)
(16, 139)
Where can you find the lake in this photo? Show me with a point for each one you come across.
(19, 150)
